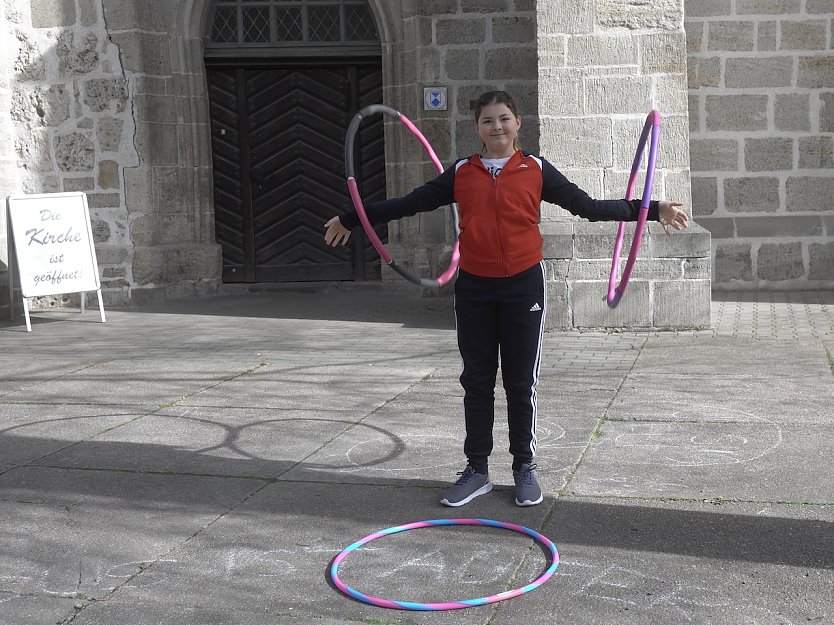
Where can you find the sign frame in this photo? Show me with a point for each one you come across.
(51, 257)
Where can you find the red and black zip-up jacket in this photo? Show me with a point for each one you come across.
(499, 217)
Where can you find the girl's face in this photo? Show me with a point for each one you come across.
(498, 129)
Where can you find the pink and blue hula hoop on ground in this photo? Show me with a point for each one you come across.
(447, 605)
(360, 207)
(650, 128)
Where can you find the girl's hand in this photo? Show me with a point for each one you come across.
(671, 215)
(336, 233)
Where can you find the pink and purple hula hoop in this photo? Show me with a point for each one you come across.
(350, 138)
(650, 128)
(447, 605)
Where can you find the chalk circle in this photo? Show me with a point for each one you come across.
(615, 290)
(350, 139)
(446, 605)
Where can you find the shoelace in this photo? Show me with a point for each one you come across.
(465, 475)
(526, 475)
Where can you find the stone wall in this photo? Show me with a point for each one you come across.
(761, 85)
(602, 67)
(100, 99)
(468, 46)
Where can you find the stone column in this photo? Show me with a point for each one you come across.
(602, 67)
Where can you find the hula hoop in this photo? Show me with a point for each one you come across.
(449, 605)
(360, 207)
(615, 291)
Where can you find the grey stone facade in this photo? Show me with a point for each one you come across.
(761, 90)
(109, 98)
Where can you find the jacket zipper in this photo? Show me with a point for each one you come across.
(498, 224)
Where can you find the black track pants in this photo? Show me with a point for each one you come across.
(500, 317)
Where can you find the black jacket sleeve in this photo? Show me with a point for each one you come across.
(434, 194)
(557, 189)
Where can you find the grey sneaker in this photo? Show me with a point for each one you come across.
(527, 491)
(470, 484)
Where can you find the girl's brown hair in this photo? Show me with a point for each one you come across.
(496, 97)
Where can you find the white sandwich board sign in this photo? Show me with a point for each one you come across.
(51, 240)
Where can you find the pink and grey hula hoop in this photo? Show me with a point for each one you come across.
(448, 605)
(615, 291)
(360, 207)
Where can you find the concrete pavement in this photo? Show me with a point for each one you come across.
(203, 462)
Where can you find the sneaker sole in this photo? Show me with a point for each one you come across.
(483, 490)
(527, 502)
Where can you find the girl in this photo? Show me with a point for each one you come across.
(500, 289)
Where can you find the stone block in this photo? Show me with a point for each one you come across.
(111, 254)
(579, 142)
(736, 112)
(707, 8)
(516, 63)
(108, 175)
(459, 31)
(733, 262)
(816, 152)
(764, 7)
(558, 307)
(565, 17)
(157, 143)
(719, 155)
(821, 261)
(719, 227)
(166, 264)
(515, 29)
(682, 304)
(704, 72)
(704, 195)
(826, 118)
(817, 6)
(780, 261)
(638, 14)
(601, 50)
(591, 310)
(88, 13)
(74, 152)
(459, 63)
(754, 194)
(815, 72)
(663, 53)
(596, 239)
(552, 55)
(143, 52)
(52, 13)
(155, 108)
(30, 63)
(558, 239)
(792, 112)
(768, 154)
(101, 230)
(104, 200)
(78, 184)
(731, 36)
(560, 93)
(694, 242)
(109, 133)
(767, 36)
(804, 34)
(79, 59)
(106, 94)
(694, 34)
(483, 6)
(810, 193)
(618, 95)
(758, 73)
(147, 295)
(779, 226)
